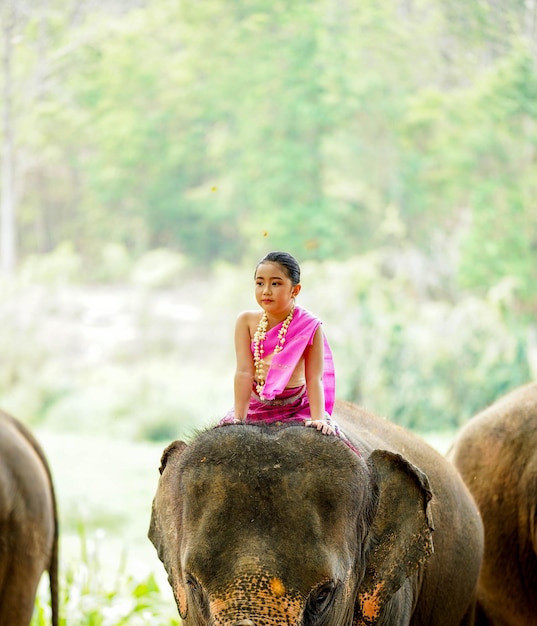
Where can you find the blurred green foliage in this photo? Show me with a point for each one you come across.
(154, 359)
(163, 147)
(216, 129)
(91, 595)
(109, 571)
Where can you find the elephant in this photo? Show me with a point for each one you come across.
(496, 455)
(28, 524)
(265, 525)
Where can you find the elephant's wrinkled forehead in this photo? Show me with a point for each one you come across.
(287, 499)
(245, 469)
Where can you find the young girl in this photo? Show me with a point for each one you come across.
(285, 370)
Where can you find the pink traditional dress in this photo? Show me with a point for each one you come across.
(278, 402)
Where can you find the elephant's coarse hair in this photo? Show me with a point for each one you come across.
(272, 525)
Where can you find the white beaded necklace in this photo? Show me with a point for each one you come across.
(259, 346)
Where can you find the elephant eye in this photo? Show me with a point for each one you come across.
(200, 605)
(319, 601)
(192, 583)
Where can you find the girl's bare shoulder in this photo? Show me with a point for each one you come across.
(249, 319)
(249, 316)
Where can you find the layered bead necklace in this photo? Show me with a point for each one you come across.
(259, 347)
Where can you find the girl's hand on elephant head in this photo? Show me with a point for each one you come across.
(321, 425)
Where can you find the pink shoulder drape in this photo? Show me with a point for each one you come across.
(299, 335)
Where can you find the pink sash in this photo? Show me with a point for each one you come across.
(299, 335)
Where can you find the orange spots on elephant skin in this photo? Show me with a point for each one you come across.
(259, 599)
(277, 587)
(370, 604)
(218, 605)
(180, 596)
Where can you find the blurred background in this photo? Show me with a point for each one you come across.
(152, 151)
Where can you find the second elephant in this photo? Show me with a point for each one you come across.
(28, 524)
(496, 454)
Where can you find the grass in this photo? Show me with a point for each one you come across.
(118, 598)
(110, 574)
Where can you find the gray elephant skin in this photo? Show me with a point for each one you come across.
(28, 524)
(496, 454)
(266, 525)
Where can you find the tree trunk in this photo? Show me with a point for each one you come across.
(7, 203)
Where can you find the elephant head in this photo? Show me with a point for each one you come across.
(287, 526)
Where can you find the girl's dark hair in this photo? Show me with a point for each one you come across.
(287, 261)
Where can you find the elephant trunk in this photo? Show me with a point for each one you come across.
(257, 599)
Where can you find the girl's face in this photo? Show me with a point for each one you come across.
(274, 290)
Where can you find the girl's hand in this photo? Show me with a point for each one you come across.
(228, 421)
(321, 425)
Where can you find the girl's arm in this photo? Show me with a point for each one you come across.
(244, 372)
(314, 367)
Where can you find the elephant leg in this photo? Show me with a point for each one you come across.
(17, 597)
(20, 573)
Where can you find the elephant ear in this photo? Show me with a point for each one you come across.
(164, 528)
(400, 537)
(173, 451)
